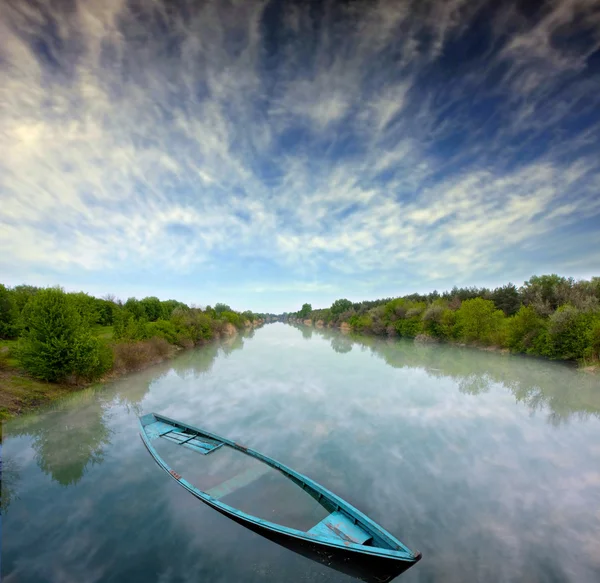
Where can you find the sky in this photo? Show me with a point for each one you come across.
(267, 154)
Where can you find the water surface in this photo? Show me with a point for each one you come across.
(488, 464)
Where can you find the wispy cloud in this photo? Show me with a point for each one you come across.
(402, 142)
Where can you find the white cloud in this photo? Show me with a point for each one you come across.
(335, 148)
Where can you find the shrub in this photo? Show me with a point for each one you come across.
(448, 326)
(568, 333)
(523, 329)
(232, 318)
(479, 320)
(55, 344)
(362, 323)
(593, 350)
(163, 329)
(8, 314)
(129, 356)
(432, 320)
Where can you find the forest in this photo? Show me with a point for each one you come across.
(549, 315)
(51, 339)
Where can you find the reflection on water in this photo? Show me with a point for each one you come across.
(538, 383)
(487, 463)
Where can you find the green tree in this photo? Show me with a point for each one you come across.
(152, 308)
(220, 308)
(135, 308)
(569, 332)
(524, 329)
(541, 292)
(8, 314)
(507, 299)
(339, 307)
(305, 311)
(56, 344)
(479, 320)
(87, 308)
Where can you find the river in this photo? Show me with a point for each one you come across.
(489, 464)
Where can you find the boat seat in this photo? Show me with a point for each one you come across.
(243, 479)
(337, 526)
(194, 441)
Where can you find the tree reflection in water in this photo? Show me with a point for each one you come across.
(538, 383)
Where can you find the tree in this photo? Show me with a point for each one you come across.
(135, 308)
(55, 343)
(524, 328)
(220, 308)
(541, 292)
(507, 299)
(478, 319)
(340, 306)
(152, 308)
(8, 314)
(305, 311)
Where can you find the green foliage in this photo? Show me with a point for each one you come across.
(305, 311)
(432, 321)
(220, 308)
(193, 324)
(524, 328)
(163, 329)
(106, 310)
(593, 350)
(541, 292)
(22, 294)
(8, 314)
(248, 315)
(361, 323)
(87, 308)
(506, 298)
(135, 308)
(232, 318)
(568, 333)
(152, 308)
(339, 307)
(479, 320)
(56, 344)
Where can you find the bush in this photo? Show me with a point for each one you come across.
(163, 329)
(8, 314)
(524, 328)
(362, 323)
(232, 318)
(568, 333)
(55, 344)
(593, 349)
(432, 320)
(129, 356)
(479, 320)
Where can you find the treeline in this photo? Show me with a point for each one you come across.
(548, 315)
(77, 337)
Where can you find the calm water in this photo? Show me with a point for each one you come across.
(489, 464)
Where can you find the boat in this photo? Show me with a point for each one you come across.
(342, 537)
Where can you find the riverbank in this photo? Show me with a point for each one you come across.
(21, 393)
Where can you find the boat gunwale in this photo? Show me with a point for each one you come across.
(403, 553)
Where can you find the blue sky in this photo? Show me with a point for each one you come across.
(268, 154)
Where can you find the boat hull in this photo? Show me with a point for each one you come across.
(364, 562)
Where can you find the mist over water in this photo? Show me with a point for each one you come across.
(489, 464)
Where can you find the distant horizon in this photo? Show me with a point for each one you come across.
(271, 154)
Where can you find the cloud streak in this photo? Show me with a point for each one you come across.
(413, 144)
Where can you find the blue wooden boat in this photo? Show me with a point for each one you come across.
(343, 537)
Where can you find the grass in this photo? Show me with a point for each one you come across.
(20, 393)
